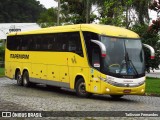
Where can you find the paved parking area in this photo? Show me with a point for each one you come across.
(155, 74)
(40, 98)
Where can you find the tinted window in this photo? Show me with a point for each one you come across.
(90, 46)
(62, 42)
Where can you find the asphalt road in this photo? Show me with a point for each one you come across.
(155, 74)
(41, 98)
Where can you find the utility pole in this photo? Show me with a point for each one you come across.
(87, 11)
(127, 16)
(58, 13)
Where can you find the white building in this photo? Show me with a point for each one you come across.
(6, 28)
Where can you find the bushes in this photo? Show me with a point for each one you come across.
(149, 38)
(2, 53)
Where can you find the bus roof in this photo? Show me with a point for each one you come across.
(107, 30)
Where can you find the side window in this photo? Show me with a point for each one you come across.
(50, 39)
(11, 42)
(96, 57)
(37, 41)
(24, 43)
(14, 43)
(75, 44)
(61, 42)
(92, 49)
(17, 43)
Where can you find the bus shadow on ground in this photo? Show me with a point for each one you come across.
(72, 93)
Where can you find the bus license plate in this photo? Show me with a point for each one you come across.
(126, 90)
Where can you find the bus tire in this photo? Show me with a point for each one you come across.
(81, 88)
(19, 78)
(116, 96)
(25, 78)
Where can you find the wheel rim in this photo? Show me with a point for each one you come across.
(82, 88)
(19, 78)
(24, 80)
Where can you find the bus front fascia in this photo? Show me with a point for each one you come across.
(112, 80)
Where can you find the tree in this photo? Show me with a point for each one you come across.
(154, 28)
(141, 8)
(2, 53)
(150, 38)
(124, 12)
(117, 12)
(112, 13)
(13, 11)
(77, 11)
(48, 18)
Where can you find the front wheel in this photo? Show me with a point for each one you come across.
(25, 77)
(81, 88)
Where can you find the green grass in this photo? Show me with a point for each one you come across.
(153, 86)
(1, 72)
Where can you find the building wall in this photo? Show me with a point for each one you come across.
(6, 28)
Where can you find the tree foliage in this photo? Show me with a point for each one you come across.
(48, 18)
(13, 11)
(141, 8)
(112, 13)
(154, 29)
(151, 39)
(124, 12)
(155, 26)
(2, 53)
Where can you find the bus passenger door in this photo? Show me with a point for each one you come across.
(94, 71)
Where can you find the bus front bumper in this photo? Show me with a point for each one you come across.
(114, 90)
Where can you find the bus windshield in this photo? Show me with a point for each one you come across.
(124, 57)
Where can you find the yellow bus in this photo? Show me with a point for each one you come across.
(90, 58)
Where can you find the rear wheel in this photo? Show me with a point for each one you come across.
(25, 78)
(19, 78)
(81, 88)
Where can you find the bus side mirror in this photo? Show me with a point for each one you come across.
(102, 47)
(152, 51)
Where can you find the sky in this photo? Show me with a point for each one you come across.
(48, 3)
(52, 3)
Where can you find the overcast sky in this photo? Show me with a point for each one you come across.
(48, 3)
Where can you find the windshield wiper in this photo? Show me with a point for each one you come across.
(129, 62)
